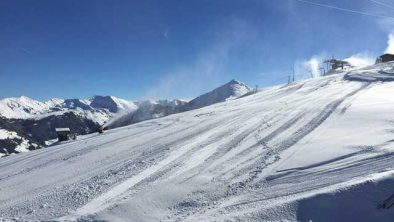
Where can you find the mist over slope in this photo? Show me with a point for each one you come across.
(270, 156)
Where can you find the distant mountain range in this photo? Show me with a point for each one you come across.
(27, 124)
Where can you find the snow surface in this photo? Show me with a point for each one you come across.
(279, 154)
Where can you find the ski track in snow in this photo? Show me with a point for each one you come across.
(232, 160)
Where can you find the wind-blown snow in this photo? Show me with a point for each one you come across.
(360, 60)
(262, 157)
(390, 44)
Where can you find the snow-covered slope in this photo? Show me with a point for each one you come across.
(303, 151)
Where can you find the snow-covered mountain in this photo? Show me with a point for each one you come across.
(21, 107)
(230, 90)
(29, 123)
(33, 122)
(99, 108)
(112, 104)
(146, 110)
(315, 150)
(154, 109)
(11, 142)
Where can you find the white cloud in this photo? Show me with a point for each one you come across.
(360, 60)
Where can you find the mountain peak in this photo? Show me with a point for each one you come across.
(234, 81)
(105, 102)
(232, 89)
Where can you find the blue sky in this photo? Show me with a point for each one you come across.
(175, 49)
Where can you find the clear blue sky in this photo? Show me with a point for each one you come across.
(173, 48)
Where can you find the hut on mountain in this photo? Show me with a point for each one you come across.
(385, 58)
(64, 134)
(335, 64)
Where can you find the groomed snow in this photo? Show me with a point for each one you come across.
(274, 155)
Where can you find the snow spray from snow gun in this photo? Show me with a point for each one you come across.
(118, 120)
